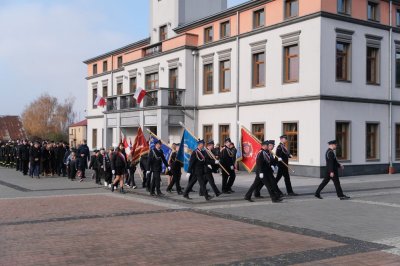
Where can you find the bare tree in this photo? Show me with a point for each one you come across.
(46, 118)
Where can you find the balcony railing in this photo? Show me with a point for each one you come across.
(161, 97)
(154, 49)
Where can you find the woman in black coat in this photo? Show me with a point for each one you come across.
(118, 168)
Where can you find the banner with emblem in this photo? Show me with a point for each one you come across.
(164, 147)
(250, 147)
(140, 146)
(187, 146)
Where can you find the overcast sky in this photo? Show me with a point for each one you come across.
(43, 44)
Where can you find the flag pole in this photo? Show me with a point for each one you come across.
(288, 167)
(207, 150)
(154, 135)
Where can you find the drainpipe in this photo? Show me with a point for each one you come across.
(194, 53)
(237, 76)
(391, 169)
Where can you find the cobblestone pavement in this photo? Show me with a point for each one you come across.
(53, 221)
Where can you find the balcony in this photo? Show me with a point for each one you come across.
(161, 97)
(151, 50)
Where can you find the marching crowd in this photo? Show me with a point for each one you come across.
(117, 169)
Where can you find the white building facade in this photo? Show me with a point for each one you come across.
(315, 70)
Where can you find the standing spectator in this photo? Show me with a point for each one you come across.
(94, 165)
(72, 163)
(34, 160)
(82, 165)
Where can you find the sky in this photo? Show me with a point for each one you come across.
(43, 44)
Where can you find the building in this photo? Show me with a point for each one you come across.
(11, 128)
(312, 69)
(77, 133)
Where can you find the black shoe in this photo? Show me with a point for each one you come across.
(218, 194)
(249, 199)
(208, 198)
(152, 194)
(187, 197)
(318, 196)
(160, 194)
(121, 190)
(277, 200)
(112, 187)
(259, 197)
(344, 197)
(180, 192)
(292, 194)
(192, 191)
(226, 192)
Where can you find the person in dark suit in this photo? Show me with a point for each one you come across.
(154, 166)
(227, 159)
(197, 165)
(264, 174)
(283, 153)
(332, 172)
(176, 170)
(118, 168)
(211, 167)
(24, 157)
(34, 160)
(143, 166)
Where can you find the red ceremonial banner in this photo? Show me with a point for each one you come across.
(250, 148)
(140, 146)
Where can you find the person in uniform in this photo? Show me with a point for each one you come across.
(24, 157)
(283, 153)
(227, 160)
(196, 170)
(176, 171)
(143, 166)
(332, 166)
(154, 166)
(34, 160)
(264, 174)
(212, 167)
(118, 166)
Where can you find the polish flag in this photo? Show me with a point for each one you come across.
(139, 95)
(100, 101)
(124, 141)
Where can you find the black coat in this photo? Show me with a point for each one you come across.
(175, 165)
(35, 155)
(332, 164)
(155, 161)
(210, 162)
(118, 162)
(24, 152)
(197, 163)
(283, 152)
(264, 163)
(227, 158)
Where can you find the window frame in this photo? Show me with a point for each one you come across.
(163, 35)
(257, 22)
(295, 158)
(94, 97)
(152, 82)
(377, 142)
(120, 62)
(287, 9)
(205, 78)
(208, 38)
(205, 133)
(255, 133)
(105, 89)
(105, 66)
(223, 26)
(120, 88)
(255, 65)
(173, 78)
(222, 139)
(95, 70)
(397, 68)
(222, 71)
(397, 142)
(347, 7)
(347, 158)
(286, 63)
(377, 71)
(94, 138)
(348, 57)
(377, 11)
(132, 84)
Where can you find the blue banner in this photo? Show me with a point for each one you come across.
(165, 148)
(187, 146)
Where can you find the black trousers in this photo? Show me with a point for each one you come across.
(209, 178)
(228, 180)
(176, 180)
(25, 166)
(148, 180)
(192, 182)
(336, 182)
(283, 171)
(17, 164)
(156, 183)
(274, 186)
(267, 181)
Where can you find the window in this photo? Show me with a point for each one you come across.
(291, 67)
(208, 133)
(105, 91)
(225, 76)
(94, 98)
(119, 61)
(105, 66)
(398, 142)
(94, 138)
(258, 18)
(223, 133)
(398, 17)
(372, 65)
(152, 81)
(343, 138)
(119, 89)
(342, 61)
(225, 29)
(291, 130)
(398, 68)
(372, 11)
(208, 79)
(208, 34)
(95, 69)
(291, 8)
(258, 131)
(163, 33)
(344, 7)
(132, 84)
(258, 70)
(173, 78)
(372, 145)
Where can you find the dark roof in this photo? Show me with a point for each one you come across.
(11, 128)
(119, 50)
(80, 124)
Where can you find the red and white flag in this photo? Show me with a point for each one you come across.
(125, 142)
(100, 101)
(139, 95)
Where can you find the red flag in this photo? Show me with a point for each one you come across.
(100, 101)
(140, 146)
(139, 95)
(250, 148)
